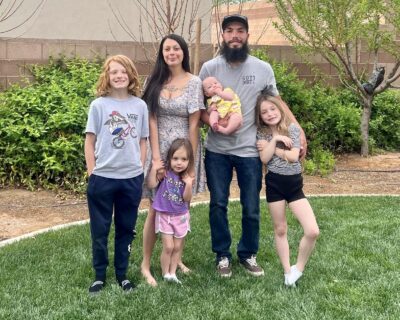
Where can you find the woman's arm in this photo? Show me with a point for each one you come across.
(152, 180)
(154, 143)
(90, 142)
(205, 117)
(303, 139)
(143, 150)
(194, 120)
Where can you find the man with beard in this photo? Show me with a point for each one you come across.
(247, 76)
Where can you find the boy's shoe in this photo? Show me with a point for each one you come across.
(224, 267)
(126, 285)
(251, 266)
(96, 287)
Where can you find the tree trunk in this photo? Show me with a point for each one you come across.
(366, 115)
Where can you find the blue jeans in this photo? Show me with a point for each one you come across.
(219, 170)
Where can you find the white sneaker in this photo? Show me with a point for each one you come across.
(286, 275)
(293, 276)
(173, 278)
(167, 277)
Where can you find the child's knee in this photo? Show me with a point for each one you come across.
(312, 233)
(281, 230)
(168, 248)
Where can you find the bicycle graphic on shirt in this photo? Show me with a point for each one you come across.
(120, 128)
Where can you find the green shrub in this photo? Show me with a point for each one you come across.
(331, 117)
(335, 124)
(42, 125)
(330, 123)
(385, 120)
(322, 163)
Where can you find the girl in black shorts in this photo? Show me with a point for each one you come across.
(278, 142)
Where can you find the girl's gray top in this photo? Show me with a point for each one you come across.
(277, 164)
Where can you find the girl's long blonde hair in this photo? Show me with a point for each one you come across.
(283, 125)
(103, 85)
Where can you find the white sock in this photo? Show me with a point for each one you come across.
(294, 275)
(286, 275)
(174, 278)
(167, 277)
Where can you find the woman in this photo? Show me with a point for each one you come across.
(174, 97)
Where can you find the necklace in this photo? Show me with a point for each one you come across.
(172, 88)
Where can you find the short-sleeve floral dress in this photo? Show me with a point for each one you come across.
(173, 123)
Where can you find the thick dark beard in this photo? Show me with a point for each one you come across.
(235, 54)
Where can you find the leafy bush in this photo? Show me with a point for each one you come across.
(322, 163)
(331, 117)
(385, 120)
(42, 125)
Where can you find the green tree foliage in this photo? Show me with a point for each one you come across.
(337, 30)
(330, 117)
(42, 125)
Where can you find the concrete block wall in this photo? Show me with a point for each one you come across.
(17, 54)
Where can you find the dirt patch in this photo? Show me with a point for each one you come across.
(23, 211)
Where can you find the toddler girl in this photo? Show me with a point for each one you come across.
(171, 203)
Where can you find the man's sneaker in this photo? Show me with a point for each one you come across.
(224, 267)
(96, 287)
(126, 285)
(251, 266)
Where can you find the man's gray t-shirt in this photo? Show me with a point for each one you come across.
(247, 80)
(118, 125)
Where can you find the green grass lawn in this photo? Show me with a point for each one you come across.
(353, 274)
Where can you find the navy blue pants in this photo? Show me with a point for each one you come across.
(219, 170)
(105, 196)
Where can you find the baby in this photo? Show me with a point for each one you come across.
(223, 106)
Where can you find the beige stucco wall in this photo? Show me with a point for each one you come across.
(261, 15)
(88, 20)
(83, 28)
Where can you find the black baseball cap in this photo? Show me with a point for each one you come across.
(235, 18)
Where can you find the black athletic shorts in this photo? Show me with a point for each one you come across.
(281, 187)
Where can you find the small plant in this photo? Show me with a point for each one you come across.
(322, 163)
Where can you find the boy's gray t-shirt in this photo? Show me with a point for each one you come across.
(247, 80)
(118, 125)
